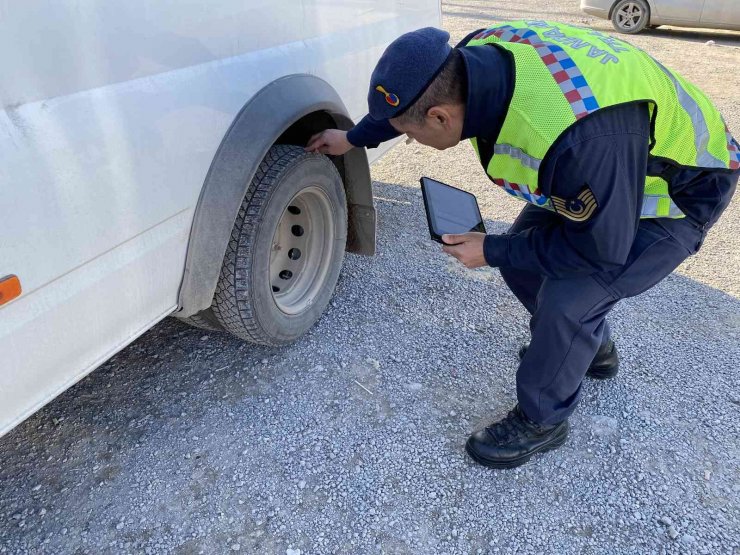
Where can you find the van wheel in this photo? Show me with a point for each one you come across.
(630, 16)
(286, 248)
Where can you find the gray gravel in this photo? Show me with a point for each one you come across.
(351, 441)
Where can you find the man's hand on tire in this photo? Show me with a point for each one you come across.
(329, 141)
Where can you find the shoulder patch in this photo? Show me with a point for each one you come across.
(578, 209)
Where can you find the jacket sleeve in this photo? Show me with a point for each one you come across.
(613, 168)
(370, 132)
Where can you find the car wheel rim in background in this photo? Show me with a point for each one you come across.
(629, 15)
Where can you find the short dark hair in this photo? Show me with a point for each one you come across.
(449, 87)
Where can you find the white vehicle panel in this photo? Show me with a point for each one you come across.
(112, 113)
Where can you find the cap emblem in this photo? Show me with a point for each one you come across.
(390, 98)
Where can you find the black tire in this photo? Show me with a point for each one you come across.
(245, 303)
(205, 320)
(630, 16)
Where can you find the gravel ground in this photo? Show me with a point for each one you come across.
(351, 441)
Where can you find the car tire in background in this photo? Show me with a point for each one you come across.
(286, 248)
(630, 16)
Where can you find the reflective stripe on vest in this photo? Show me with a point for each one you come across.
(701, 131)
(514, 152)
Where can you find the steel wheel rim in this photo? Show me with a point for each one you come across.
(301, 253)
(629, 15)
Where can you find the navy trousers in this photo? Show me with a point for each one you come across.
(568, 321)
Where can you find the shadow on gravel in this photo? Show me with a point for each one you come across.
(192, 441)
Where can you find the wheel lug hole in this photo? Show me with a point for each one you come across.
(275, 289)
(294, 210)
(286, 274)
(297, 230)
(294, 254)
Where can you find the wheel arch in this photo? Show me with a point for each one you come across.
(288, 111)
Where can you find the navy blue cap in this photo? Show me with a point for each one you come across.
(405, 70)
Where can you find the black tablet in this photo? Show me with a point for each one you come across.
(449, 209)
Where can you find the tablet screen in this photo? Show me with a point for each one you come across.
(450, 210)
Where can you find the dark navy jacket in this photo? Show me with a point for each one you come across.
(608, 151)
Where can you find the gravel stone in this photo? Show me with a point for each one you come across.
(373, 362)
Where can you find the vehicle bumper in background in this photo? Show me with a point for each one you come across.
(598, 8)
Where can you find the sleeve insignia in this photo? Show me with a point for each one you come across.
(578, 209)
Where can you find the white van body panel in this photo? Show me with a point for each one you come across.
(111, 115)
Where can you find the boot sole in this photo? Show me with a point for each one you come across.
(513, 463)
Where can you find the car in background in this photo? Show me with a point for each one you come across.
(152, 165)
(632, 16)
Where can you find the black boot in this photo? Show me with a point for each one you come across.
(512, 441)
(604, 365)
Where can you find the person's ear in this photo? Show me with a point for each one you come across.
(440, 115)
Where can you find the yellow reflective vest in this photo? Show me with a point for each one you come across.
(564, 73)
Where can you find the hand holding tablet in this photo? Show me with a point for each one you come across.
(449, 210)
